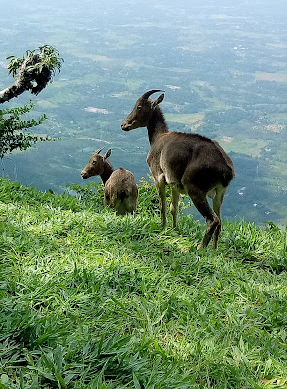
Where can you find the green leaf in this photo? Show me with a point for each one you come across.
(136, 382)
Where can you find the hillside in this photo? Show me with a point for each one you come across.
(222, 66)
(91, 300)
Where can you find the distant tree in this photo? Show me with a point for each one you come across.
(32, 72)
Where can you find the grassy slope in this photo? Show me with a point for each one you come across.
(91, 300)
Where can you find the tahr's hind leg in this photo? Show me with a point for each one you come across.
(212, 220)
(211, 227)
(217, 203)
(216, 235)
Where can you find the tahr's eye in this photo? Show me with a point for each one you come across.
(139, 107)
(94, 162)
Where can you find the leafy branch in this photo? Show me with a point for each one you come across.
(33, 71)
(12, 126)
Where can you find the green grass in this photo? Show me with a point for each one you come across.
(91, 300)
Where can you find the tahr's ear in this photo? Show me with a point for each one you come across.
(157, 101)
(108, 153)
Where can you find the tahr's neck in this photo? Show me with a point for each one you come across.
(108, 169)
(156, 125)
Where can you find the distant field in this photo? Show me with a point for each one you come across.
(276, 77)
(192, 121)
(250, 146)
(270, 127)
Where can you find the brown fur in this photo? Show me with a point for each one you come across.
(190, 163)
(121, 191)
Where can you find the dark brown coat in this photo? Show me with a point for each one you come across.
(190, 163)
(120, 188)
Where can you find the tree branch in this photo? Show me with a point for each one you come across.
(34, 73)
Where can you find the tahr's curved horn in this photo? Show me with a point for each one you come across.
(147, 94)
(99, 150)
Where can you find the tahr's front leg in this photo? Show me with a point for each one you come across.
(174, 206)
(162, 201)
